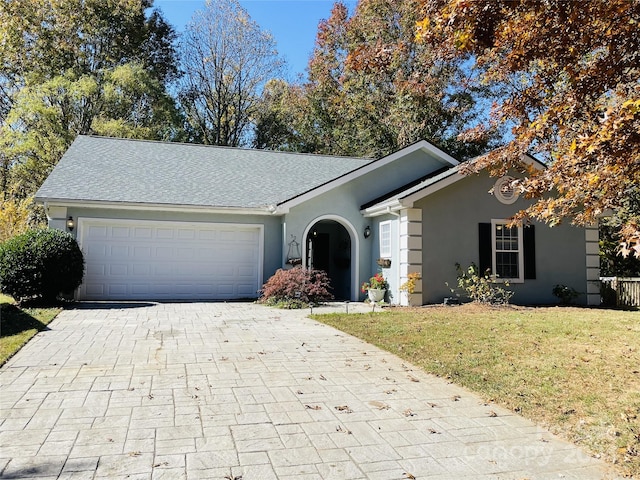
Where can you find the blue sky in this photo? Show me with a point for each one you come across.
(293, 23)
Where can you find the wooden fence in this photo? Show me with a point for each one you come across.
(627, 290)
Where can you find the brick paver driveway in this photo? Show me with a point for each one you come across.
(240, 391)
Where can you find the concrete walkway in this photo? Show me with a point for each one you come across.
(244, 392)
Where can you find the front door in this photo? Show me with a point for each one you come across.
(329, 248)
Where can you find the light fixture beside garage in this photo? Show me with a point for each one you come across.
(367, 231)
(71, 224)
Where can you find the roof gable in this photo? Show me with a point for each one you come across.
(407, 195)
(442, 159)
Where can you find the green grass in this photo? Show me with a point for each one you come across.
(575, 371)
(18, 326)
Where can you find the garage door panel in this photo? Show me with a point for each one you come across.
(163, 252)
(141, 270)
(247, 290)
(161, 270)
(95, 290)
(246, 271)
(185, 253)
(118, 251)
(116, 289)
(165, 233)
(96, 250)
(169, 260)
(95, 269)
(185, 234)
(120, 232)
(143, 253)
(143, 233)
(97, 232)
(207, 234)
(118, 270)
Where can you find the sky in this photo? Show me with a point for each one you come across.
(293, 23)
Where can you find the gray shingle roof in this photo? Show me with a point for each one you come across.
(137, 171)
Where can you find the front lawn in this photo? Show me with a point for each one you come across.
(575, 371)
(18, 326)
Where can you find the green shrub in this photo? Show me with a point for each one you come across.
(565, 294)
(482, 288)
(296, 288)
(39, 265)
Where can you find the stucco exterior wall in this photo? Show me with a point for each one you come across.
(343, 205)
(450, 235)
(272, 225)
(337, 205)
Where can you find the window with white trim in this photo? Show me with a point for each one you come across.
(507, 251)
(385, 239)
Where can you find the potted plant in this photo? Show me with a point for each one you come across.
(410, 285)
(376, 287)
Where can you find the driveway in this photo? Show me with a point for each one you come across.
(245, 392)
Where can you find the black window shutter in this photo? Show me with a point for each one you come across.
(529, 246)
(485, 251)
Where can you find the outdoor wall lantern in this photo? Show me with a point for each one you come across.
(70, 223)
(367, 231)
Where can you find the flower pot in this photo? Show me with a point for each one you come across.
(376, 294)
(384, 262)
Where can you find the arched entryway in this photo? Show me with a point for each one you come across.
(329, 246)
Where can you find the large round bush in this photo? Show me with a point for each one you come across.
(40, 264)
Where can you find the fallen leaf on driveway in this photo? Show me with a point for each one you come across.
(344, 408)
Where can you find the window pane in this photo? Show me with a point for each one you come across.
(385, 239)
(506, 250)
(507, 264)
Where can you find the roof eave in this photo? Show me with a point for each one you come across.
(388, 207)
(165, 207)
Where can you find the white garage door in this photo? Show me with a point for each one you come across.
(148, 260)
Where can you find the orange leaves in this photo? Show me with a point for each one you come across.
(571, 91)
(631, 244)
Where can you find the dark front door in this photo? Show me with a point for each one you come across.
(329, 249)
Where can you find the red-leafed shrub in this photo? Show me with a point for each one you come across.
(296, 288)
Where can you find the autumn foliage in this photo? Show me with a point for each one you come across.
(570, 74)
(372, 89)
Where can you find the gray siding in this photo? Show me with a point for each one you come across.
(450, 234)
(345, 202)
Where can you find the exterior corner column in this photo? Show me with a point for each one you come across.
(593, 264)
(56, 217)
(411, 253)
